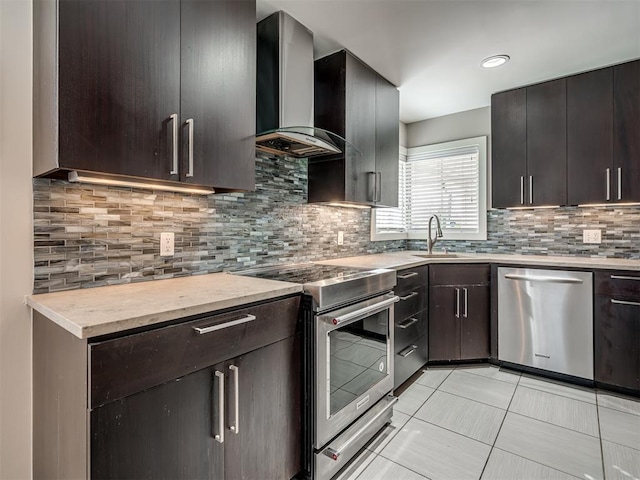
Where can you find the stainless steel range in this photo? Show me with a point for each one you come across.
(347, 317)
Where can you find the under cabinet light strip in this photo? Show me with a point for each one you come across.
(82, 177)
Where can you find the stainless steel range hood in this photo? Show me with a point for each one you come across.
(284, 119)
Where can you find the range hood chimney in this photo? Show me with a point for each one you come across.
(284, 119)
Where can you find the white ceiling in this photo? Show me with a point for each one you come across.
(431, 49)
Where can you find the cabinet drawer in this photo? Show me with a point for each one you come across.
(618, 284)
(453, 274)
(409, 329)
(409, 360)
(410, 302)
(130, 364)
(411, 278)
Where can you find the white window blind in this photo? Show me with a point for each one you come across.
(445, 180)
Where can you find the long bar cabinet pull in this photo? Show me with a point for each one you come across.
(407, 297)
(608, 184)
(625, 302)
(624, 277)
(404, 276)
(221, 326)
(466, 302)
(174, 149)
(378, 194)
(457, 303)
(408, 322)
(219, 435)
(235, 425)
(521, 190)
(190, 127)
(530, 189)
(619, 183)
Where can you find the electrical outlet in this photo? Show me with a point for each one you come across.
(591, 236)
(340, 237)
(166, 244)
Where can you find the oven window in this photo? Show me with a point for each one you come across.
(358, 358)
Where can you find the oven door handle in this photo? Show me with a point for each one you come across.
(363, 312)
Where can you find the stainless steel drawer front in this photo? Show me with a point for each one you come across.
(545, 320)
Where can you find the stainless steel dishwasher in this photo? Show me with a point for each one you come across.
(545, 319)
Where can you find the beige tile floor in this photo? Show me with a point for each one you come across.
(481, 422)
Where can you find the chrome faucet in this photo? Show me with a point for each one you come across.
(432, 241)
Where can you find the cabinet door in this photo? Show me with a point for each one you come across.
(218, 85)
(165, 432)
(387, 142)
(444, 327)
(626, 123)
(590, 137)
(268, 422)
(474, 322)
(119, 84)
(360, 88)
(509, 148)
(617, 343)
(546, 182)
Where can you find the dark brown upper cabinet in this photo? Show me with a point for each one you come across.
(590, 137)
(509, 148)
(161, 90)
(529, 146)
(355, 102)
(547, 143)
(626, 131)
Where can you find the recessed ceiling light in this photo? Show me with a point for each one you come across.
(494, 61)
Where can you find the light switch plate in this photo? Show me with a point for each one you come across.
(591, 236)
(166, 244)
(340, 237)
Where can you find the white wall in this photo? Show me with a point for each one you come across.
(16, 238)
(472, 123)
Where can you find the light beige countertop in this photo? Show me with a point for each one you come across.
(97, 311)
(412, 258)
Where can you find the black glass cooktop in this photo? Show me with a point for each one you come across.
(302, 272)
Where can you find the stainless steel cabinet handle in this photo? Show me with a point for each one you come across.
(213, 328)
(408, 351)
(521, 190)
(457, 303)
(619, 183)
(411, 295)
(530, 189)
(408, 322)
(532, 278)
(219, 436)
(608, 183)
(190, 127)
(624, 302)
(378, 194)
(466, 302)
(404, 276)
(334, 453)
(624, 277)
(174, 164)
(235, 424)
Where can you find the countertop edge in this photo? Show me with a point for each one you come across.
(88, 331)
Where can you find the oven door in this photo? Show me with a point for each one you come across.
(354, 363)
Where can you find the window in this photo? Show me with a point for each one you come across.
(446, 179)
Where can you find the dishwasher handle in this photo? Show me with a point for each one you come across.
(543, 279)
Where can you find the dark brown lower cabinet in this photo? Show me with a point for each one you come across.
(459, 320)
(169, 431)
(617, 343)
(218, 397)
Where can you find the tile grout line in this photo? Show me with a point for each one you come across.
(604, 475)
(499, 429)
(536, 462)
